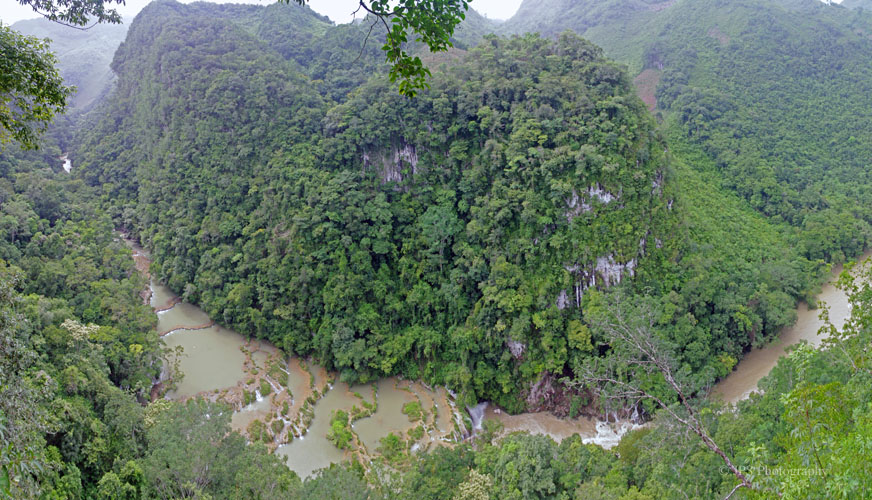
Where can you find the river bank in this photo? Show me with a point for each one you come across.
(285, 401)
(288, 402)
(757, 363)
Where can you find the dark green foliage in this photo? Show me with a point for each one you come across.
(776, 92)
(192, 451)
(78, 353)
(384, 235)
(67, 273)
(436, 474)
(446, 238)
(413, 410)
(336, 483)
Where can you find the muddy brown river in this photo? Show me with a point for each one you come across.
(221, 364)
(759, 362)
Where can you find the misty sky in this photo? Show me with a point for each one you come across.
(337, 10)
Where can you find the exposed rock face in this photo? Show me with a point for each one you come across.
(605, 273)
(390, 167)
(611, 272)
(516, 348)
(549, 394)
(579, 204)
(657, 184)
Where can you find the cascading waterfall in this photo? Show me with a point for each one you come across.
(476, 414)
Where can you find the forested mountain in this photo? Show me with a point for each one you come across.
(83, 56)
(857, 4)
(776, 92)
(450, 237)
(467, 237)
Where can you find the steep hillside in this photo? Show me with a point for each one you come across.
(776, 92)
(450, 237)
(454, 237)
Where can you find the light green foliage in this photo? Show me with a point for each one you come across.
(258, 431)
(392, 447)
(340, 430)
(276, 426)
(265, 387)
(476, 487)
(794, 150)
(416, 433)
(413, 410)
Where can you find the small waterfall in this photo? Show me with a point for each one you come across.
(275, 388)
(609, 435)
(636, 417)
(476, 414)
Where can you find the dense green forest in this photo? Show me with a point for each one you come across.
(450, 238)
(776, 92)
(465, 238)
(381, 234)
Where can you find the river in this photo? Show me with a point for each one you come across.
(295, 399)
(759, 362)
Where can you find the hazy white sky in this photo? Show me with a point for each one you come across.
(337, 10)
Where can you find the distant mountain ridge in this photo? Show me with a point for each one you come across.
(84, 56)
(778, 92)
(857, 4)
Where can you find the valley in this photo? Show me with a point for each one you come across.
(601, 249)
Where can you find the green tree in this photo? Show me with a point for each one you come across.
(432, 23)
(642, 366)
(192, 451)
(76, 13)
(476, 487)
(32, 91)
(23, 420)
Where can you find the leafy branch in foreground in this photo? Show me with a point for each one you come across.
(31, 89)
(432, 23)
(638, 357)
(76, 13)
